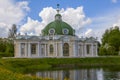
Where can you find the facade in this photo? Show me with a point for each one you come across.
(58, 39)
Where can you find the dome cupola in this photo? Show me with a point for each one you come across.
(58, 27)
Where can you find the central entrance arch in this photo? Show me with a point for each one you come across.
(66, 49)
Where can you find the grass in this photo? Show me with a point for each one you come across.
(14, 68)
(8, 75)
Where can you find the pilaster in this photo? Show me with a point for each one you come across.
(38, 50)
(45, 50)
(19, 45)
(92, 52)
(29, 50)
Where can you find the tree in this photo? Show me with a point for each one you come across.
(6, 47)
(111, 41)
(12, 32)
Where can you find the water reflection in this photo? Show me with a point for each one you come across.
(81, 74)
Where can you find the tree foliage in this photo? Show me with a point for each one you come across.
(6, 47)
(12, 31)
(110, 42)
(7, 44)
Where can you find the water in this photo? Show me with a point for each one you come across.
(79, 74)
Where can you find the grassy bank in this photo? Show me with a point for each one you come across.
(19, 65)
(9, 75)
(16, 67)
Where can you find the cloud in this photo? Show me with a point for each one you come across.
(89, 33)
(73, 16)
(11, 12)
(47, 15)
(76, 17)
(32, 27)
(114, 1)
(117, 23)
(102, 22)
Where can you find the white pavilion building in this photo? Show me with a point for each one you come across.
(58, 39)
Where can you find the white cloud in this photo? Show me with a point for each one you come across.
(117, 23)
(89, 33)
(114, 1)
(47, 15)
(32, 27)
(75, 17)
(103, 22)
(11, 13)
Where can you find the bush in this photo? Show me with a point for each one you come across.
(102, 51)
(107, 52)
(6, 54)
(6, 48)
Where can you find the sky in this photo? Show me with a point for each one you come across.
(87, 17)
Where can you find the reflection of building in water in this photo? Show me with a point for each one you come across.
(100, 74)
(50, 74)
(83, 74)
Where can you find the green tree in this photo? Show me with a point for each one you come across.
(110, 42)
(12, 32)
(6, 47)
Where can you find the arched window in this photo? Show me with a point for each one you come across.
(66, 49)
(51, 49)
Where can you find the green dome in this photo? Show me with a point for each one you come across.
(58, 27)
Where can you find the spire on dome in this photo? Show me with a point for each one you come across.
(58, 9)
(58, 17)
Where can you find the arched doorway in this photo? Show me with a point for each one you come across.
(66, 49)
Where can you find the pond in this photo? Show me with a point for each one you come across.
(79, 74)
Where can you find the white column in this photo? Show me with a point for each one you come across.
(56, 49)
(92, 52)
(45, 49)
(74, 49)
(61, 49)
(19, 50)
(82, 47)
(48, 50)
(96, 54)
(85, 54)
(38, 50)
(42, 50)
(29, 50)
(25, 49)
(79, 51)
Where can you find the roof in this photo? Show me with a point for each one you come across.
(58, 27)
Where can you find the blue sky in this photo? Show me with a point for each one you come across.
(92, 8)
(87, 17)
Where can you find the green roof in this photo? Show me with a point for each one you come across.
(58, 26)
(57, 15)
